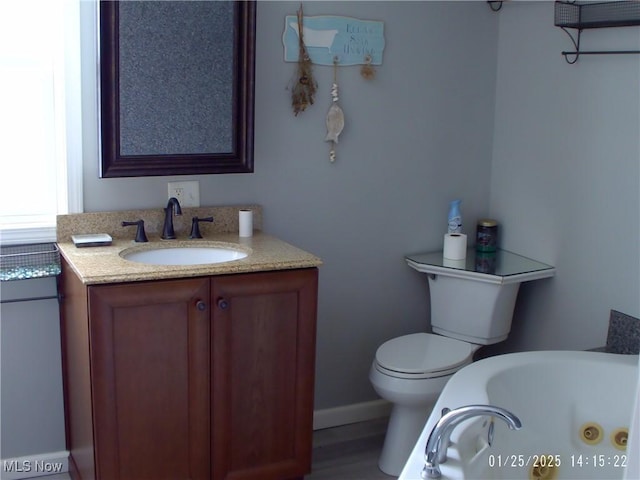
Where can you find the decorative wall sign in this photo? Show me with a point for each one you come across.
(350, 40)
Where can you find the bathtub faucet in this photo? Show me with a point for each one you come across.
(438, 442)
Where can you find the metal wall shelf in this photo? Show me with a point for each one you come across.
(588, 15)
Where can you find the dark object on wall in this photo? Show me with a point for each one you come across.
(585, 15)
(176, 87)
(624, 334)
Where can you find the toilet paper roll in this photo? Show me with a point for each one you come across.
(245, 221)
(455, 246)
(459, 264)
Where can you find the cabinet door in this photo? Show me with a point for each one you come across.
(263, 358)
(150, 360)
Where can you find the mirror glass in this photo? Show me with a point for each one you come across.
(176, 87)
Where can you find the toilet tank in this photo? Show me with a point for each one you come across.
(471, 310)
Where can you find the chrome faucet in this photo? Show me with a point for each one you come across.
(173, 206)
(438, 442)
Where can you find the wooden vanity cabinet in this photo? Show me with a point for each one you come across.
(263, 345)
(200, 378)
(150, 366)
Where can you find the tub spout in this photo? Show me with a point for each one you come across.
(436, 449)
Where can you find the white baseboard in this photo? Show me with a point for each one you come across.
(356, 412)
(34, 465)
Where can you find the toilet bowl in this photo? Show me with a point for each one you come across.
(469, 309)
(410, 372)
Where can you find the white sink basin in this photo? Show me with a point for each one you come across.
(184, 255)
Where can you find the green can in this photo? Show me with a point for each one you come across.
(487, 235)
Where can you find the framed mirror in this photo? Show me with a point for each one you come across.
(176, 87)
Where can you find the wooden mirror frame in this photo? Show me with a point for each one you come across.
(239, 160)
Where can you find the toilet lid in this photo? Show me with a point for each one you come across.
(421, 353)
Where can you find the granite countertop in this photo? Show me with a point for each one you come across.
(96, 265)
(101, 265)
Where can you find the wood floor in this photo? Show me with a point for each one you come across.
(349, 452)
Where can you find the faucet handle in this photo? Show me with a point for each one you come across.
(195, 226)
(141, 236)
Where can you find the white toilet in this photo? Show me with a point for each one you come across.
(468, 310)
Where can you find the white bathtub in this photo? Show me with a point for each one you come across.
(556, 395)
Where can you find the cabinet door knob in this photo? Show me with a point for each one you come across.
(200, 305)
(223, 304)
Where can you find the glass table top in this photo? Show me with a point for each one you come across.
(500, 263)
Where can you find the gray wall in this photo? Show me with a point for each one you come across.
(553, 169)
(416, 137)
(32, 413)
(565, 175)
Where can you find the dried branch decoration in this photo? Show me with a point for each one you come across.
(304, 85)
(367, 71)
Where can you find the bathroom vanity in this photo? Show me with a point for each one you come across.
(190, 372)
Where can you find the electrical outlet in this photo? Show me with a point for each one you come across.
(187, 193)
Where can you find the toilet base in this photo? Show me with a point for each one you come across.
(405, 425)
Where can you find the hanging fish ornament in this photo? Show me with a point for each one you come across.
(335, 117)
